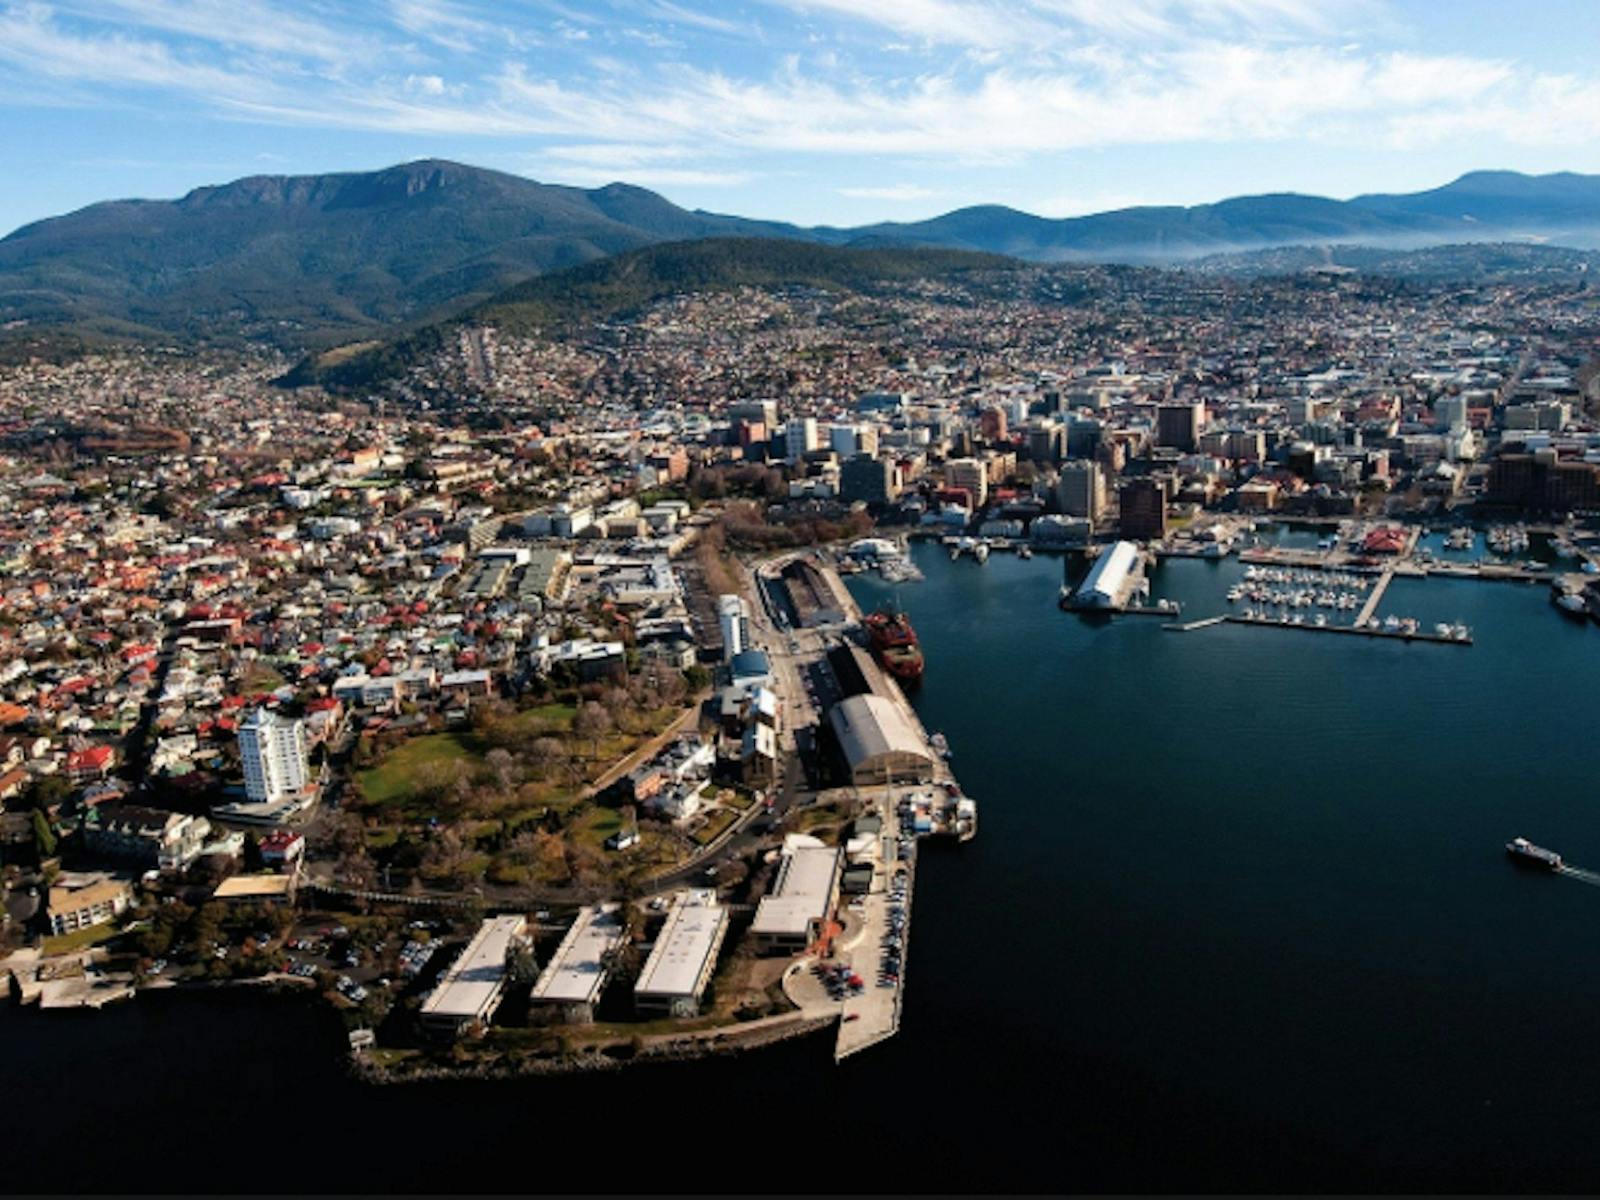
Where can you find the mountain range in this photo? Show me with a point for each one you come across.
(310, 261)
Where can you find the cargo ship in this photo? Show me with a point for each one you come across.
(1525, 852)
(895, 644)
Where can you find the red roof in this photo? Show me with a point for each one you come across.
(92, 759)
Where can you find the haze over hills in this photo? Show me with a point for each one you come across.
(310, 261)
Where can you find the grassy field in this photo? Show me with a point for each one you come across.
(714, 828)
(80, 939)
(391, 780)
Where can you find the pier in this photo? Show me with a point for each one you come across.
(1371, 606)
(881, 917)
(1367, 631)
(1191, 626)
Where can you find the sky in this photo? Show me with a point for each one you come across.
(815, 111)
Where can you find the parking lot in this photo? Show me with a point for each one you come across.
(878, 954)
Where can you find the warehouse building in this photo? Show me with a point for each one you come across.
(794, 914)
(577, 973)
(682, 961)
(878, 742)
(471, 988)
(1111, 579)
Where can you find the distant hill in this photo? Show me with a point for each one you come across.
(1483, 206)
(306, 262)
(312, 259)
(559, 302)
(1460, 261)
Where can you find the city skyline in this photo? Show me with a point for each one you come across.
(802, 110)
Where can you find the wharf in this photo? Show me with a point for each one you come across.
(1191, 626)
(1391, 634)
(1371, 606)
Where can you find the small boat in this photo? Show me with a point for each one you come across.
(1525, 853)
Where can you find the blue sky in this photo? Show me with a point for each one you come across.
(817, 111)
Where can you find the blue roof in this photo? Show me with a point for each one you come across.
(750, 663)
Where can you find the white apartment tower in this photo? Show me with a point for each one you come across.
(800, 437)
(733, 614)
(273, 751)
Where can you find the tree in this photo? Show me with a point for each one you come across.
(503, 768)
(593, 722)
(252, 853)
(47, 791)
(44, 837)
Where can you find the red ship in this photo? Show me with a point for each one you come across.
(895, 644)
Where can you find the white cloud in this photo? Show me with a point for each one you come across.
(1046, 24)
(1116, 74)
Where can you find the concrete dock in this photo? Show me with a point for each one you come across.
(1351, 630)
(1373, 597)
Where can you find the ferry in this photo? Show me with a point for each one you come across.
(1525, 853)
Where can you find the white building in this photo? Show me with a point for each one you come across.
(578, 972)
(273, 751)
(733, 614)
(684, 956)
(1106, 584)
(471, 989)
(799, 437)
(793, 914)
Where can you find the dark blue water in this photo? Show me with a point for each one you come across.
(1237, 917)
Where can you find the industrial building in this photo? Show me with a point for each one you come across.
(733, 616)
(471, 988)
(1109, 581)
(794, 913)
(878, 743)
(578, 971)
(684, 956)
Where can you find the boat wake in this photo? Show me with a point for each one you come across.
(1578, 873)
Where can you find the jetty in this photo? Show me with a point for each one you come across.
(1369, 631)
(874, 929)
(1373, 597)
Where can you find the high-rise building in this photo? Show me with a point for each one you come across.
(799, 437)
(1144, 509)
(1081, 491)
(844, 440)
(1178, 425)
(873, 480)
(272, 750)
(733, 615)
(970, 474)
(757, 412)
(992, 423)
(1450, 413)
(1045, 442)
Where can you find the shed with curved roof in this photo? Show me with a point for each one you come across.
(879, 743)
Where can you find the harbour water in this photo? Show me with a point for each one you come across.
(1239, 917)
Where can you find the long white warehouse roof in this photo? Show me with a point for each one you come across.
(469, 986)
(1105, 580)
(687, 940)
(577, 972)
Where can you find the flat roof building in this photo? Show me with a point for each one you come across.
(577, 972)
(878, 743)
(471, 987)
(792, 916)
(682, 961)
